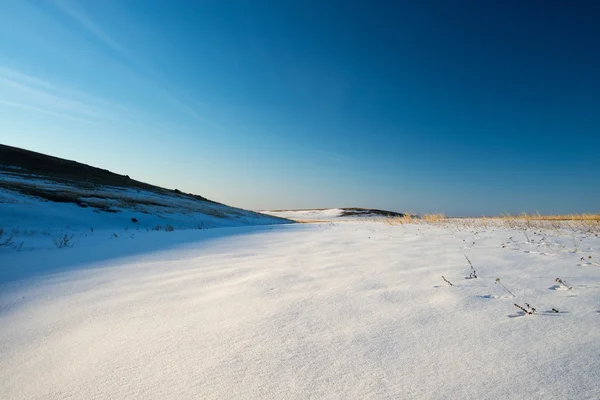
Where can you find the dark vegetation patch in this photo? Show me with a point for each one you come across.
(57, 196)
(369, 212)
(73, 173)
(88, 186)
(352, 211)
(300, 209)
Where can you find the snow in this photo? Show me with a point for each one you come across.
(24, 213)
(348, 310)
(330, 214)
(327, 214)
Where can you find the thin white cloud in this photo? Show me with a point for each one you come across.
(19, 76)
(79, 15)
(52, 100)
(69, 93)
(43, 95)
(43, 111)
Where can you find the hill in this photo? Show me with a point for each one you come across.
(330, 214)
(38, 191)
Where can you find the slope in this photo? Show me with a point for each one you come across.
(45, 194)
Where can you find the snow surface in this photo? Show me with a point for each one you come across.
(322, 311)
(24, 216)
(327, 214)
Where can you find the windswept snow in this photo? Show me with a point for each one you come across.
(332, 214)
(107, 208)
(323, 311)
(308, 215)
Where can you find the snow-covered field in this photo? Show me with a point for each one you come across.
(347, 310)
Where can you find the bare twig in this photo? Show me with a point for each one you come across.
(500, 283)
(563, 283)
(5, 242)
(473, 274)
(523, 309)
(63, 241)
(447, 281)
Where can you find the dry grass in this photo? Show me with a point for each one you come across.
(573, 222)
(405, 219)
(589, 223)
(413, 219)
(434, 218)
(539, 217)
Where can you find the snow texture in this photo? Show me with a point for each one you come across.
(349, 310)
(326, 214)
(28, 215)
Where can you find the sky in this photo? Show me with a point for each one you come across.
(461, 107)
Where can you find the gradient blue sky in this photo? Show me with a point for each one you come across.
(462, 107)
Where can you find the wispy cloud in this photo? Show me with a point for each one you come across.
(19, 76)
(67, 92)
(50, 99)
(76, 12)
(43, 111)
(35, 94)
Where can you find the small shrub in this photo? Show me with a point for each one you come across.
(169, 228)
(524, 310)
(532, 309)
(8, 241)
(63, 241)
(473, 274)
(134, 220)
(558, 280)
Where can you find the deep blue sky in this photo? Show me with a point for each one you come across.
(462, 107)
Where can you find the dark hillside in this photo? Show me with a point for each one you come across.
(82, 175)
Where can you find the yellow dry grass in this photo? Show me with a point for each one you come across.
(572, 222)
(539, 217)
(434, 218)
(575, 222)
(413, 219)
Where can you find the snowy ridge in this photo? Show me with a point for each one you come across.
(332, 214)
(106, 207)
(50, 195)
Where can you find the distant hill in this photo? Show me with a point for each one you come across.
(328, 214)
